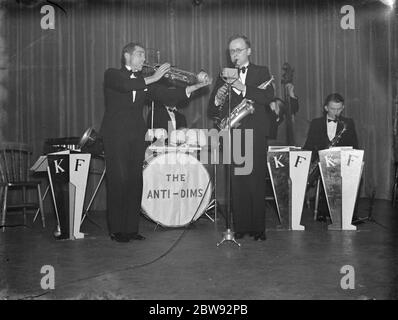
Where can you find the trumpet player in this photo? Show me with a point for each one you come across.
(123, 130)
(248, 191)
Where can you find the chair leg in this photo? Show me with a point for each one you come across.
(395, 187)
(1, 199)
(307, 199)
(24, 203)
(42, 199)
(318, 187)
(4, 210)
(43, 221)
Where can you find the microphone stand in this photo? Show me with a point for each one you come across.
(229, 234)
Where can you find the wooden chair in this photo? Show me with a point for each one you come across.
(14, 175)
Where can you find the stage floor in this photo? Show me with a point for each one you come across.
(185, 263)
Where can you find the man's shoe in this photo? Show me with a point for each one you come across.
(135, 236)
(260, 236)
(120, 237)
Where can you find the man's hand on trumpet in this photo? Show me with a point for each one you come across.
(204, 80)
(159, 73)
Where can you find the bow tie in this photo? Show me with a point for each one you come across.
(330, 120)
(136, 74)
(172, 109)
(242, 70)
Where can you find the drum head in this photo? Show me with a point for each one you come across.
(177, 189)
(177, 137)
(196, 137)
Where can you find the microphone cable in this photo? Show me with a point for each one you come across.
(169, 250)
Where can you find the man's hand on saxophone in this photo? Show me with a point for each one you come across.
(240, 86)
(222, 92)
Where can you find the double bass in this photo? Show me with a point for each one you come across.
(287, 77)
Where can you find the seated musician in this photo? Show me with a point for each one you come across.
(323, 132)
(168, 117)
(163, 114)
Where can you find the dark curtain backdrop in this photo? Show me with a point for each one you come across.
(54, 79)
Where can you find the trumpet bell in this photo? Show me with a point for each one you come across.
(91, 142)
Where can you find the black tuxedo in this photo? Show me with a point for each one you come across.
(317, 138)
(248, 191)
(123, 130)
(161, 118)
(263, 116)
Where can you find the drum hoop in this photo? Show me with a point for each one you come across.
(156, 154)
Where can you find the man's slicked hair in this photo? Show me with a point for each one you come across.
(334, 97)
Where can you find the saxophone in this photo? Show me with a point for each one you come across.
(313, 172)
(244, 108)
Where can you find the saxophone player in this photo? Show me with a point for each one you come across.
(323, 130)
(248, 191)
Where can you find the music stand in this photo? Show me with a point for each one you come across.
(92, 143)
(370, 212)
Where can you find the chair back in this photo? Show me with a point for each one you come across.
(15, 160)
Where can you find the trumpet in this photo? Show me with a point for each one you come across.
(179, 75)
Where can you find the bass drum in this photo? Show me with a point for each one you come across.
(177, 189)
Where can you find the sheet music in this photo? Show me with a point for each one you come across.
(283, 148)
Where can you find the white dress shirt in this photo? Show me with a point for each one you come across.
(172, 116)
(132, 76)
(332, 127)
(242, 78)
